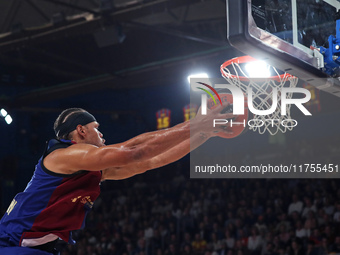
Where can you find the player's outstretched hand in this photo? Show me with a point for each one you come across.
(205, 123)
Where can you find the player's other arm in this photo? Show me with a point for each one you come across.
(171, 155)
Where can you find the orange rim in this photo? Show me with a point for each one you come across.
(247, 59)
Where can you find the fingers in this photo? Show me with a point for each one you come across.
(224, 129)
(228, 115)
(219, 107)
(221, 113)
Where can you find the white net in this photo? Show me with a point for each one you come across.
(262, 91)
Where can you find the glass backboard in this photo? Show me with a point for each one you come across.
(288, 34)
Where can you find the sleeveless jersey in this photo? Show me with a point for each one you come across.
(51, 206)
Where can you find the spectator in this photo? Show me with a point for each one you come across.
(172, 250)
(335, 247)
(187, 241)
(294, 217)
(257, 209)
(323, 248)
(295, 206)
(295, 248)
(283, 234)
(336, 216)
(187, 250)
(260, 224)
(321, 217)
(199, 244)
(141, 246)
(269, 250)
(242, 237)
(300, 231)
(308, 207)
(215, 244)
(328, 206)
(315, 237)
(229, 240)
(255, 242)
(311, 249)
(240, 247)
(282, 217)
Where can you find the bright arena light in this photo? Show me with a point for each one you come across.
(3, 112)
(258, 69)
(8, 119)
(198, 75)
(6, 116)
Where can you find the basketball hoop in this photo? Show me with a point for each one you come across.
(234, 71)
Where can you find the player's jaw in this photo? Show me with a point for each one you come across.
(94, 136)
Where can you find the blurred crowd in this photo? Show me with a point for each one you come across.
(146, 216)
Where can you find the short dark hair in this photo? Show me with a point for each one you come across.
(63, 117)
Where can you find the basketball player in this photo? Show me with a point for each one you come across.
(66, 179)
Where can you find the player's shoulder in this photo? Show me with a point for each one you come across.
(55, 144)
(75, 146)
(58, 148)
(65, 160)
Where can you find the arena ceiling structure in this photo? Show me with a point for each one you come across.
(70, 47)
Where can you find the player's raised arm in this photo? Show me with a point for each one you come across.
(173, 154)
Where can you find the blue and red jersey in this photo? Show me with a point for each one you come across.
(52, 205)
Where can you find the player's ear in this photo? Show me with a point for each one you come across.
(81, 130)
